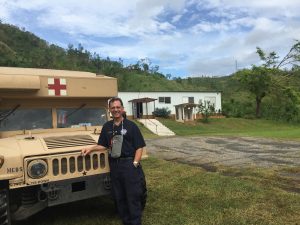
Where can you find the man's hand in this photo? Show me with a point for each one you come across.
(86, 151)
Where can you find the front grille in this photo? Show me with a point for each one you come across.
(69, 165)
(69, 141)
(77, 164)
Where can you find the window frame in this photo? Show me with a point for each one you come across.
(165, 100)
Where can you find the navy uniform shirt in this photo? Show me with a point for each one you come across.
(132, 137)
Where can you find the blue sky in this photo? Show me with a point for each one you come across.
(183, 37)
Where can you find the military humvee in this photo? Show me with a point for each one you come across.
(46, 118)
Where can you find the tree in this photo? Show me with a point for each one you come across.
(168, 76)
(207, 109)
(261, 79)
(144, 64)
(283, 105)
(256, 80)
(270, 60)
(291, 58)
(154, 69)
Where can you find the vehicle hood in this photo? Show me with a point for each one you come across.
(45, 144)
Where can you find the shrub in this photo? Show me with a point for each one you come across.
(207, 109)
(162, 112)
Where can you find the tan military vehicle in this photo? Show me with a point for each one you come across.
(46, 118)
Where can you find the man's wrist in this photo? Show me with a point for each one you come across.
(136, 163)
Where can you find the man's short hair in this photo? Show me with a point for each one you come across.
(113, 99)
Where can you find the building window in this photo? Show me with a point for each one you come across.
(191, 99)
(166, 100)
(186, 99)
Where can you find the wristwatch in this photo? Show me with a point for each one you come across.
(136, 164)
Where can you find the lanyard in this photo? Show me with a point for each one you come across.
(113, 131)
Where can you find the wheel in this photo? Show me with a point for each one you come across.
(4, 204)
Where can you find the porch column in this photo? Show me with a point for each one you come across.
(133, 116)
(147, 109)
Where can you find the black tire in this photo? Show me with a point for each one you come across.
(4, 204)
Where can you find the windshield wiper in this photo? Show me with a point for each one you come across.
(75, 110)
(4, 116)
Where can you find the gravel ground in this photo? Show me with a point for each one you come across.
(208, 152)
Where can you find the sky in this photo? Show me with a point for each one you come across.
(185, 38)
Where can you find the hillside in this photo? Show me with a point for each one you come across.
(20, 48)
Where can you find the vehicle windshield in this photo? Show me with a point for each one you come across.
(78, 117)
(27, 119)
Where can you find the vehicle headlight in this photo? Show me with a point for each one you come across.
(37, 168)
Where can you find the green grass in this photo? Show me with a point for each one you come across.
(236, 127)
(185, 195)
(181, 194)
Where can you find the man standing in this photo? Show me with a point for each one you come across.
(125, 143)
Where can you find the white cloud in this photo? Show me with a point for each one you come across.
(176, 18)
(197, 37)
(217, 67)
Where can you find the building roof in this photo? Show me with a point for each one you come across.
(143, 100)
(163, 91)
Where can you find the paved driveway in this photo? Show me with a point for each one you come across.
(208, 152)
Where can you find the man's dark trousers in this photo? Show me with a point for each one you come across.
(127, 189)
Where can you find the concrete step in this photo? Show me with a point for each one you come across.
(156, 127)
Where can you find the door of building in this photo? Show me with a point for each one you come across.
(139, 110)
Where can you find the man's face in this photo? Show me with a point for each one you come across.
(116, 109)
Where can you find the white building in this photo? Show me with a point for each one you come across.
(183, 105)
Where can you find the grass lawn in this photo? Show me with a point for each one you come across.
(181, 194)
(185, 195)
(236, 127)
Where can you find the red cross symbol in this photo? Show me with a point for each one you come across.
(57, 86)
